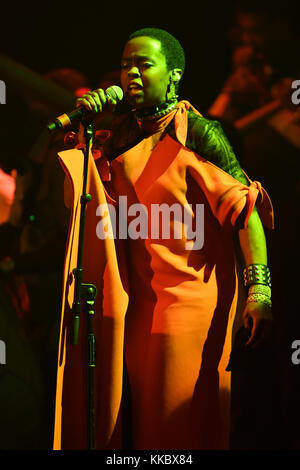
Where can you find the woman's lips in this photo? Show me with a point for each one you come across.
(134, 89)
(134, 84)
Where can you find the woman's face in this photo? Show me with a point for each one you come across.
(144, 75)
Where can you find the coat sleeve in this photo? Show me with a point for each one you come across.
(229, 198)
(208, 139)
(229, 191)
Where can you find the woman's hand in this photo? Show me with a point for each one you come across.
(258, 316)
(96, 101)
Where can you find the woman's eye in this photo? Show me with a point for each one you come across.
(141, 65)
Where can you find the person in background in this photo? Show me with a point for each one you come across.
(264, 48)
(264, 65)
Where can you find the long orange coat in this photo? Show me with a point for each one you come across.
(178, 304)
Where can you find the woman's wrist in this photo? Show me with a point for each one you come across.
(257, 274)
(257, 279)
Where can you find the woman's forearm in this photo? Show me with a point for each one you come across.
(253, 242)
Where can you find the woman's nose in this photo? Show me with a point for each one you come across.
(133, 72)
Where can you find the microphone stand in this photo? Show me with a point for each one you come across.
(84, 296)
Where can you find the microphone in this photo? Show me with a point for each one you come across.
(65, 120)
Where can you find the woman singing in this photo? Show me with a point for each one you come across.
(184, 288)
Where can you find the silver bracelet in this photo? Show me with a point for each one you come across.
(259, 298)
(260, 289)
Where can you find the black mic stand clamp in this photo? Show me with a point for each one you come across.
(85, 294)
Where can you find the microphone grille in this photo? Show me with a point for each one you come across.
(115, 92)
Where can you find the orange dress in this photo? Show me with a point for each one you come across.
(176, 328)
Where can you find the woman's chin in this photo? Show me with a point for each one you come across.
(138, 101)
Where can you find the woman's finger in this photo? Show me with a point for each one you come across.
(93, 100)
(97, 102)
(86, 102)
(102, 98)
(254, 333)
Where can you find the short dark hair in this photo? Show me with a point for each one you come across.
(170, 46)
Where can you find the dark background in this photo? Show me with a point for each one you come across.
(90, 37)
